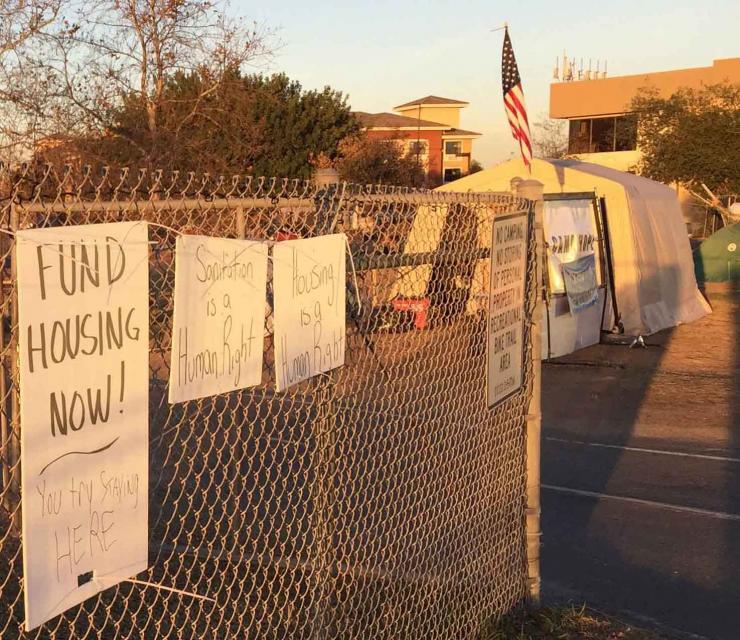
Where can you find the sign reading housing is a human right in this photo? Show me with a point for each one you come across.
(506, 308)
(84, 389)
(310, 307)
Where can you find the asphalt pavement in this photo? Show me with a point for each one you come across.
(641, 476)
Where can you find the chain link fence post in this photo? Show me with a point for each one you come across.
(14, 452)
(533, 191)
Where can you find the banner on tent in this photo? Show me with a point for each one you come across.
(571, 232)
(581, 287)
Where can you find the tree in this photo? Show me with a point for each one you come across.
(246, 124)
(298, 125)
(21, 22)
(220, 136)
(692, 136)
(160, 83)
(368, 160)
(475, 167)
(23, 19)
(73, 78)
(550, 138)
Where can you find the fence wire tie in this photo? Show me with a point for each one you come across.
(354, 275)
(156, 585)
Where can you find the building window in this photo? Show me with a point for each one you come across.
(579, 136)
(625, 135)
(598, 135)
(602, 135)
(453, 147)
(418, 147)
(452, 174)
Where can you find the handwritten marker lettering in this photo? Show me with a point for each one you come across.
(218, 328)
(309, 283)
(83, 301)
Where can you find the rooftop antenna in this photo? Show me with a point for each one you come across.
(580, 70)
(567, 68)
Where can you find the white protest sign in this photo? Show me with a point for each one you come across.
(309, 287)
(506, 306)
(570, 229)
(83, 298)
(218, 326)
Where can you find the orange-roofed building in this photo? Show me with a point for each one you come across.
(430, 129)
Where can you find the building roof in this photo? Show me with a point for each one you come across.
(461, 133)
(612, 96)
(395, 121)
(431, 100)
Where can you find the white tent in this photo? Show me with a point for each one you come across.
(649, 264)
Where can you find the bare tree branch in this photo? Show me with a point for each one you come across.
(69, 66)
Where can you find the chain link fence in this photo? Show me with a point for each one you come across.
(380, 500)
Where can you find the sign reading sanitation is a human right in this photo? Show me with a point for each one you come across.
(309, 325)
(219, 318)
(507, 306)
(83, 331)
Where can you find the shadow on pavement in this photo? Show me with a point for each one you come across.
(679, 569)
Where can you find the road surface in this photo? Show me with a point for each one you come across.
(641, 476)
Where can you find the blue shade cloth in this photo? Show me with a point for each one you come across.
(579, 278)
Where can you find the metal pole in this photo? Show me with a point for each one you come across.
(5, 405)
(533, 190)
(241, 223)
(296, 204)
(14, 453)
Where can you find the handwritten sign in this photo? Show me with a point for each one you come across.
(506, 306)
(571, 231)
(218, 327)
(84, 353)
(309, 284)
(581, 287)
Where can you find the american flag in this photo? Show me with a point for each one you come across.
(516, 111)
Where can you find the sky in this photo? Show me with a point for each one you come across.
(383, 53)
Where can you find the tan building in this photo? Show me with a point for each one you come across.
(601, 129)
(430, 128)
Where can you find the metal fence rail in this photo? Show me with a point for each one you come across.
(380, 500)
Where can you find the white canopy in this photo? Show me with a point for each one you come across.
(653, 270)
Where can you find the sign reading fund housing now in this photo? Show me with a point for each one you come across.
(506, 306)
(84, 352)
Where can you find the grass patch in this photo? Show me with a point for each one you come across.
(566, 623)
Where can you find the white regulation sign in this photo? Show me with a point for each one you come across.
(507, 306)
(309, 286)
(83, 297)
(218, 328)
